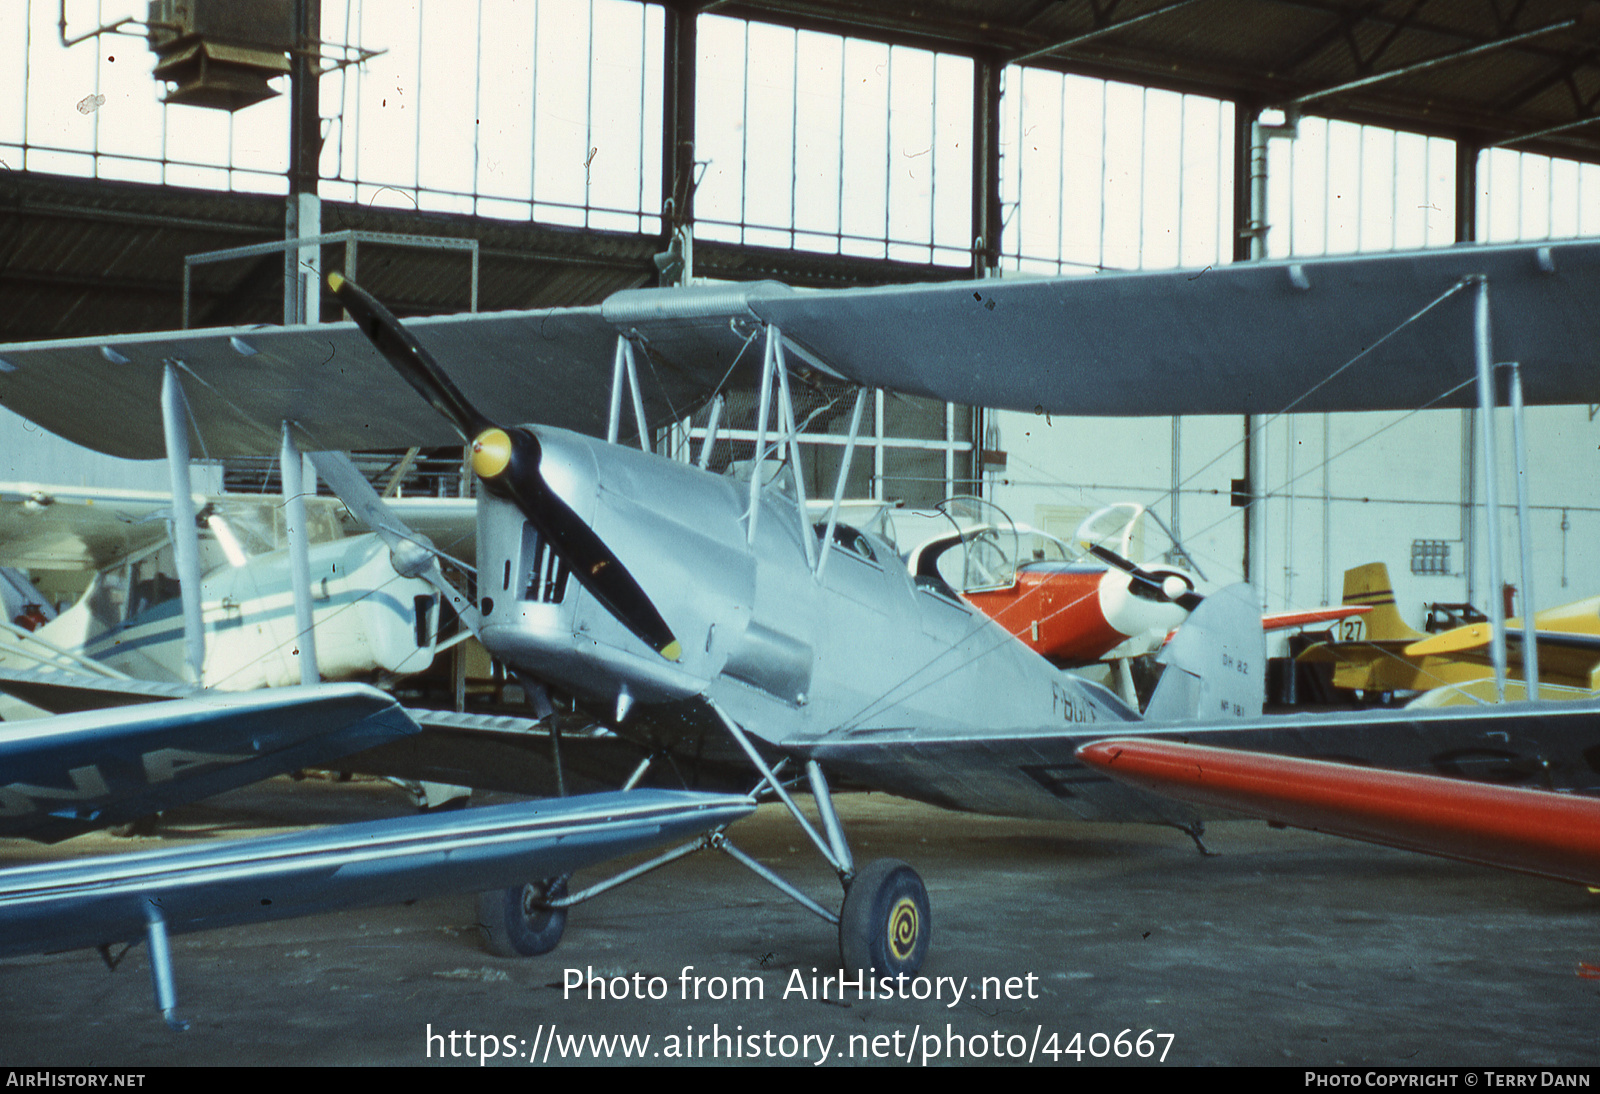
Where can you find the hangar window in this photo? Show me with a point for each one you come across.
(1341, 188)
(1096, 174)
(1526, 196)
(548, 111)
(825, 143)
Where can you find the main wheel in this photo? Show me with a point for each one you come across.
(517, 922)
(884, 925)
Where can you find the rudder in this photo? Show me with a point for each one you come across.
(1216, 664)
(1370, 587)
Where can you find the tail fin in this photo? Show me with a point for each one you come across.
(1216, 665)
(1370, 585)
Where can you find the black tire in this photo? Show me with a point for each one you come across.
(884, 925)
(516, 922)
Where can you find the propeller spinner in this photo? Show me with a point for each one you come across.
(506, 461)
(1169, 587)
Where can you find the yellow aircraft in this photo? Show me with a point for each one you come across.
(1379, 652)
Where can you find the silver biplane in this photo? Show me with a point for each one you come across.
(690, 611)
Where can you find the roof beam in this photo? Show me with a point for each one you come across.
(1394, 33)
(1576, 123)
(1434, 62)
(1342, 27)
(1098, 32)
(1557, 74)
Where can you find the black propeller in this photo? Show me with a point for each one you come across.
(506, 461)
(1188, 599)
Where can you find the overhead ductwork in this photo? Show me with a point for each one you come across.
(221, 53)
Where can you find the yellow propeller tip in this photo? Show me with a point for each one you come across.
(335, 281)
(672, 652)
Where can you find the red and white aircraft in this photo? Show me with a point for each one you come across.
(1075, 607)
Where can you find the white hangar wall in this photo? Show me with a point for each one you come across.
(1341, 490)
(1418, 485)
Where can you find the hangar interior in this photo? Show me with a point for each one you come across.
(506, 155)
(198, 164)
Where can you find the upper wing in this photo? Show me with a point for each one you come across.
(242, 383)
(74, 773)
(1250, 338)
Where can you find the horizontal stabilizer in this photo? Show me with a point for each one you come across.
(1306, 617)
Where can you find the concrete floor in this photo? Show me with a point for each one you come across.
(1287, 948)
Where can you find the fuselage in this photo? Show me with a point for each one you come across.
(1076, 612)
(368, 619)
(790, 656)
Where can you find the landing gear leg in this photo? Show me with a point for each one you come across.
(1195, 831)
(884, 925)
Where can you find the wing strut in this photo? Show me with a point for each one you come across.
(710, 438)
(294, 501)
(623, 369)
(185, 536)
(763, 405)
(1483, 352)
(838, 486)
(772, 365)
(1519, 445)
(155, 933)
